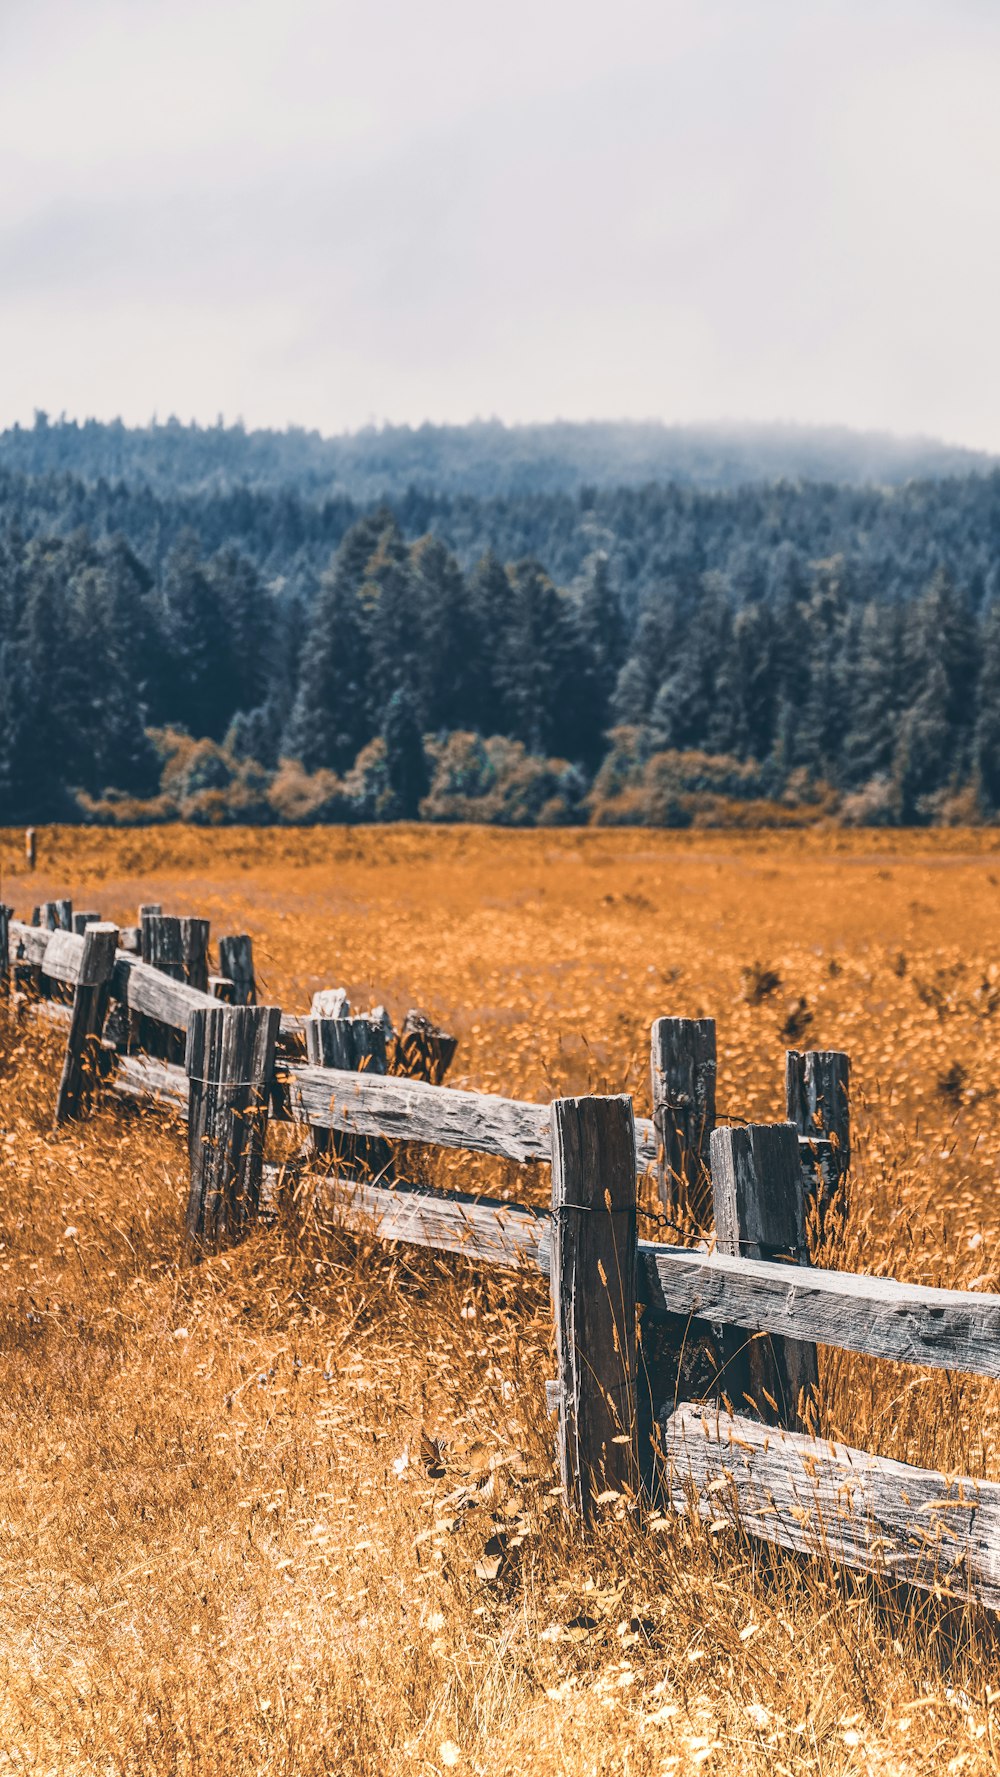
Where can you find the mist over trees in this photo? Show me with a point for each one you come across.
(652, 653)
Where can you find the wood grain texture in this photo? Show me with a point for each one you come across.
(477, 1228)
(59, 952)
(90, 1004)
(146, 1080)
(760, 1214)
(352, 1045)
(592, 1281)
(882, 1517)
(683, 1068)
(230, 1064)
(236, 963)
(907, 1323)
(411, 1110)
(817, 1099)
(423, 1051)
(194, 951)
(81, 920)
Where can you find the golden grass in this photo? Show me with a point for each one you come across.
(227, 1544)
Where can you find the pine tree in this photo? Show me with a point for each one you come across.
(405, 759)
(986, 736)
(329, 722)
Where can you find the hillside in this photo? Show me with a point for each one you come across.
(485, 458)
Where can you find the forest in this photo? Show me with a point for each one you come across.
(215, 650)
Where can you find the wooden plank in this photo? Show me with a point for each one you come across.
(90, 1004)
(59, 952)
(144, 1078)
(907, 1323)
(29, 847)
(906, 1524)
(592, 1282)
(760, 1214)
(236, 963)
(412, 1110)
(230, 1064)
(817, 1098)
(476, 1228)
(148, 991)
(683, 1067)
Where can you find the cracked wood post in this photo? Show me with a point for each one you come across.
(593, 1283)
(683, 1065)
(230, 1067)
(162, 949)
(194, 950)
(82, 920)
(5, 914)
(236, 965)
(355, 1045)
(90, 1005)
(817, 1100)
(760, 1214)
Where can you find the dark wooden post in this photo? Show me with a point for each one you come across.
(29, 847)
(355, 1045)
(236, 965)
(683, 1060)
(148, 909)
(194, 949)
(817, 1098)
(162, 950)
(593, 1282)
(760, 1214)
(48, 916)
(5, 913)
(230, 1067)
(90, 1005)
(82, 920)
(423, 1051)
(64, 915)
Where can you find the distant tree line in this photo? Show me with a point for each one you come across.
(790, 674)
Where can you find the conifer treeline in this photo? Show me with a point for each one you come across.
(812, 678)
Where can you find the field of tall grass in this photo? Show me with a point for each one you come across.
(294, 1509)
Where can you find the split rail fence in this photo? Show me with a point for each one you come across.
(685, 1376)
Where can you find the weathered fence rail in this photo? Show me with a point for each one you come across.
(624, 1308)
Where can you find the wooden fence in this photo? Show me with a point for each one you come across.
(685, 1376)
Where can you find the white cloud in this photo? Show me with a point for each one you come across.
(324, 212)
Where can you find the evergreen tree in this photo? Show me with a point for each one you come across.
(329, 721)
(405, 759)
(986, 737)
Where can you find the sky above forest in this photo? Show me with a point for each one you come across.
(333, 212)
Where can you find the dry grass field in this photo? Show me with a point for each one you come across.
(294, 1510)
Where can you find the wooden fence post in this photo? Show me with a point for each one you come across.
(162, 950)
(760, 1214)
(194, 950)
(230, 1067)
(64, 915)
(817, 1099)
(90, 1005)
(593, 1282)
(29, 847)
(5, 913)
(82, 920)
(354, 1045)
(423, 1051)
(236, 965)
(683, 1060)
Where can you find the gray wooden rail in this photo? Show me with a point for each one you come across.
(739, 1454)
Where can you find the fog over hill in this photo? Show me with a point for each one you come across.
(484, 458)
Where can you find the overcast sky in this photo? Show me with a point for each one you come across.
(336, 211)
